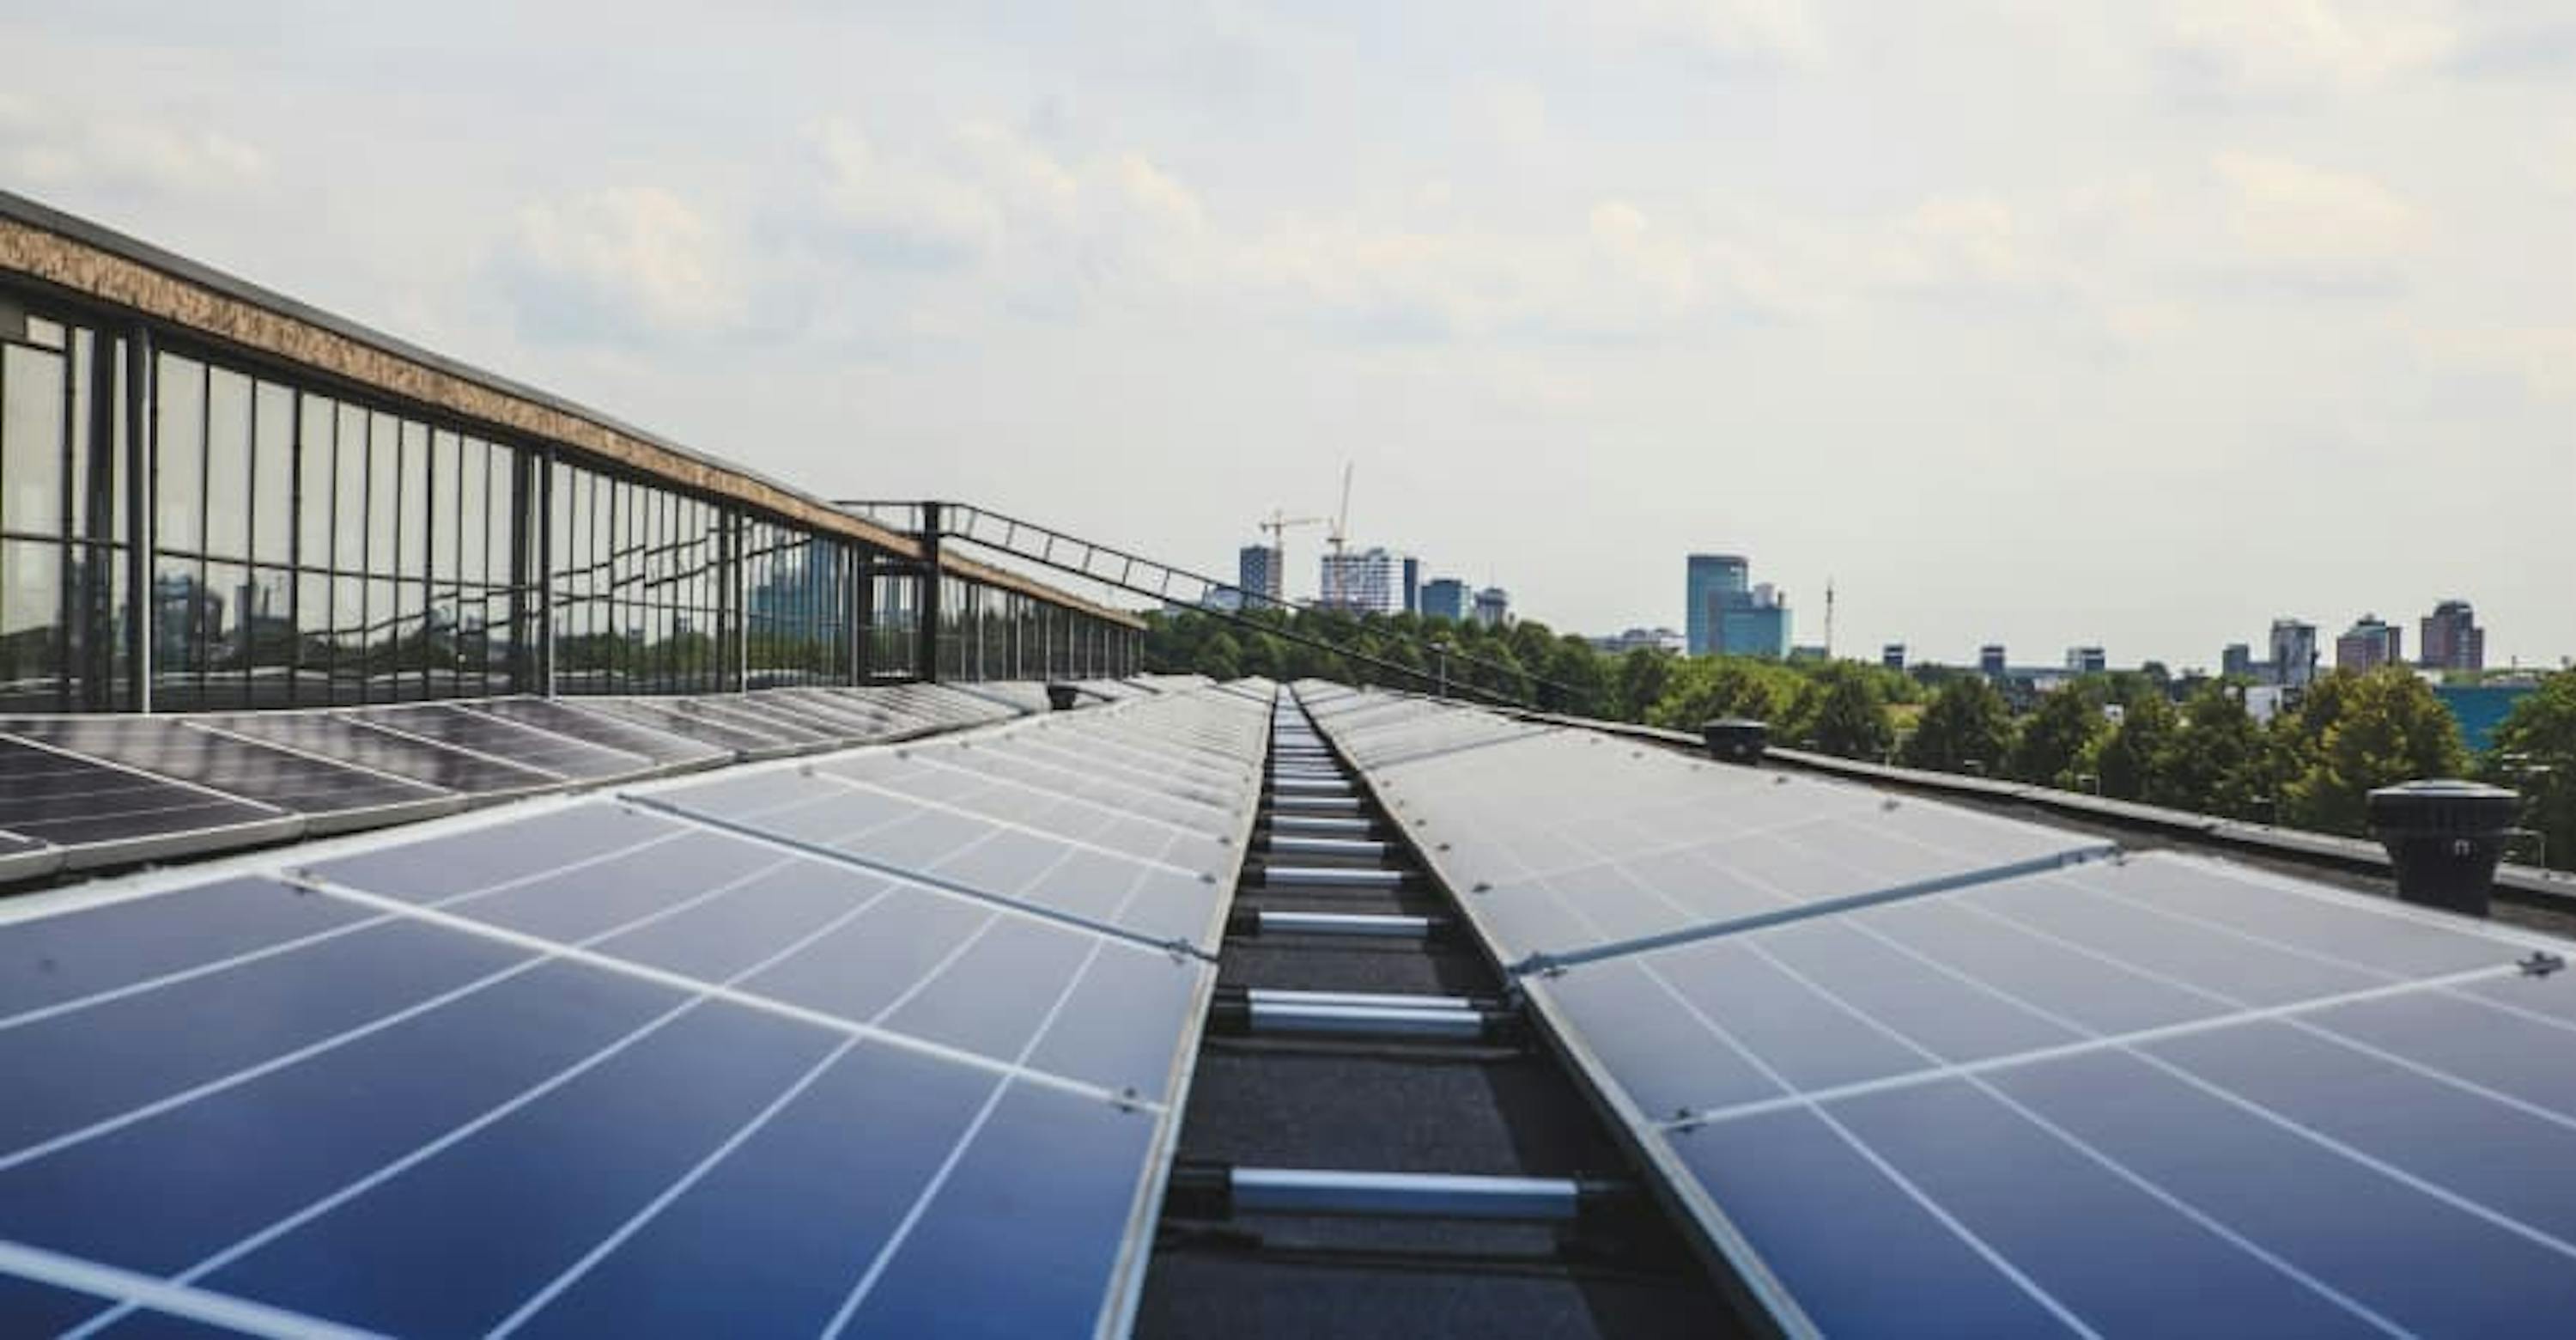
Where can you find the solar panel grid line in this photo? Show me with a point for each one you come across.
(205, 728)
(1016, 784)
(1425, 755)
(857, 860)
(729, 990)
(548, 951)
(1039, 754)
(1956, 1069)
(135, 1289)
(283, 728)
(1212, 750)
(331, 794)
(1006, 825)
(647, 766)
(417, 737)
(697, 1172)
(142, 774)
(567, 717)
(747, 741)
(1137, 747)
(2249, 1106)
(950, 760)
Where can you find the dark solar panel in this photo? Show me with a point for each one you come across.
(2160, 1096)
(104, 813)
(334, 736)
(284, 778)
(598, 728)
(510, 742)
(692, 720)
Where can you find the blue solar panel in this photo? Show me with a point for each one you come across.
(589, 1068)
(2162, 1095)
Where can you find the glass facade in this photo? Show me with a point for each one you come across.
(300, 542)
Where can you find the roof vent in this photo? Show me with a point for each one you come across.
(2445, 838)
(1061, 696)
(1735, 739)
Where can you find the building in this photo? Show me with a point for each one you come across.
(1412, 584)
(1257, 573)
(1364, 582)
(1634, 639)
(1892, 656)
(1446, 598)
(1710, 580)
(2237, 662)
(1990, 661)
(1812, 653)
(1493, 607)
(2294, 653)
(2086, 661)
(2370, 643)
(2450, 638)
(296, 511)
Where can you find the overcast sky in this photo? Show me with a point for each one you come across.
(2040, 321)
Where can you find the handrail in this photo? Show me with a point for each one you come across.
(1139, 575)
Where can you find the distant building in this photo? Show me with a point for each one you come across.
(2086, 660)
(2370, 643)
(1412, 585)
(1711, 581)
(1755, 623)
(1808, 654)
(2294, 653)
(1256, 569)
(1362, 583)
(2237, 662)
(1892, 656)
(1651, 639)
(1990, 660)
(1493, 607)
(2450, 638)
(1446, 598)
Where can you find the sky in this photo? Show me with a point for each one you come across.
(2034, 321)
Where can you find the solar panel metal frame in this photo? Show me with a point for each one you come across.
(319, 820)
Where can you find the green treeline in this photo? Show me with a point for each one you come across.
(2128, 735)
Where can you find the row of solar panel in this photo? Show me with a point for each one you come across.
(79, 792)
(1909, 1076)
(888, 1041)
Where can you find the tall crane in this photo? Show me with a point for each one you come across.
(1336, 597)
(1278, 523)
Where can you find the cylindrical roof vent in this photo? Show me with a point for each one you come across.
(1061, 696)
(1735, 739)
(2445, 838)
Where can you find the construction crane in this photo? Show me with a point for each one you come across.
(1338, 538)
(1278, 523)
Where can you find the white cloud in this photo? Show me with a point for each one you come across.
(2300, 215)
(1751, 31)
(620, 264)
(2306, 43)
(48, 146)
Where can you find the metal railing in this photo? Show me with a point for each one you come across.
(1136, 574)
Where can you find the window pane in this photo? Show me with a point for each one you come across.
(440, 494)
(384, 487)
(30, 641)
(315, 423)
(272, 527)
(227, 464)
(31, 440)
(179, 453)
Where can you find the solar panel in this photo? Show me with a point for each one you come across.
(591, 1067)
(2162, 1095)
(464, 728)
(102, 814)
(332, 795)
(695, 720)
(334, 736)
(569, 719)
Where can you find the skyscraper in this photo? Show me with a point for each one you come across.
(2370, 643)
(1412, 585)
(1711, 578)
(2087, 660)
(2294, 652)
(2237, 662)
(1257, 572)
(1892, 656)
(1493, 607)
(1362, 582)
(2451, 639)
(1445, 598)
(1990, 660)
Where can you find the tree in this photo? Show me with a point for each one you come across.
(2127, 760)
(1966, 723)
(2374, 730)
(1851, 716)
(2216, 762)
(2058, 736)
(2535, 753)
(1643, 674)
(1584, 675)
